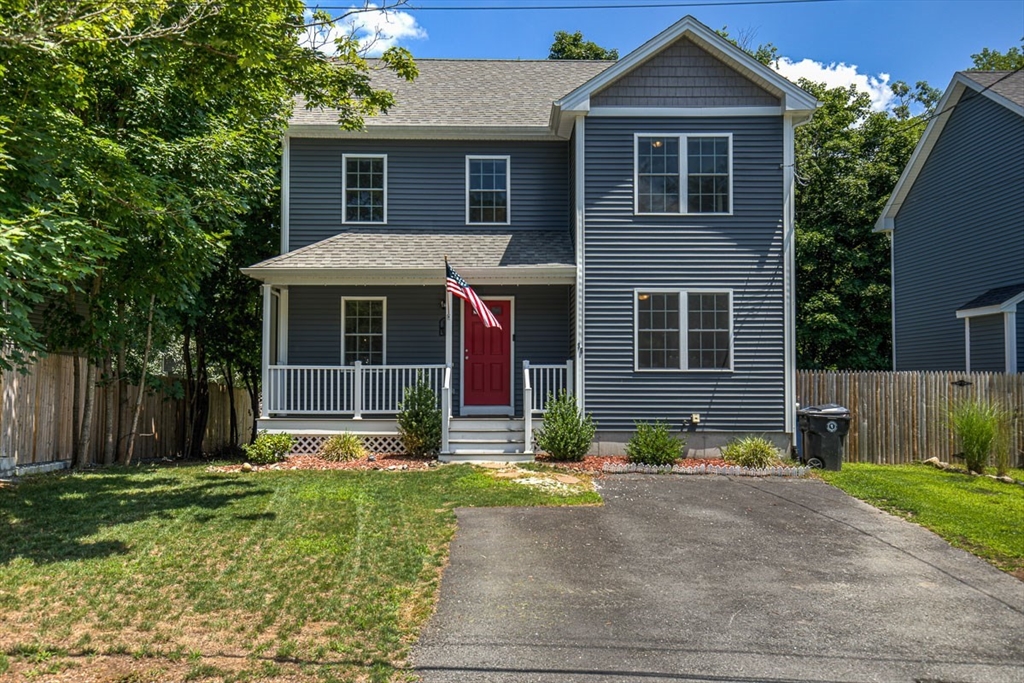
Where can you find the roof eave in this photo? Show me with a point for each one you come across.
(498, 275)
(1006, 307)
(421, 132)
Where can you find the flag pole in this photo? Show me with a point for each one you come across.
(447, 317)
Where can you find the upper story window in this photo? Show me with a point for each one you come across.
(683, 174)
(683, 330)
(364, 332)
(487, 190)
(365, 187)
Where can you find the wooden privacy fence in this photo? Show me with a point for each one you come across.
(900, 417)
(36, 411)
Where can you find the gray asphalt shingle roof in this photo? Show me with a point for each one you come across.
(382, 248)
(471, 92)
(994, 297)
(1009, 84)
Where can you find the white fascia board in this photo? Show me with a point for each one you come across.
(685, 112)
(1008, 306)
(507, 275)
(991, 94)
(794, 97)
(371, 132)
(887, 221)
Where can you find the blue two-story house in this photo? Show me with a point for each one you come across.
(629, 223)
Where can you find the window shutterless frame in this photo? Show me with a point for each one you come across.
(508, 185)
(345, 158)
(684, 328)
(384, 324)
(684, 203)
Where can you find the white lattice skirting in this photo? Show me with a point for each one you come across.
(307, 444)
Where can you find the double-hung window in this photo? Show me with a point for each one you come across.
(487, 183)
(683, 173)
(363, 330)
(365, 187)
(683, 330)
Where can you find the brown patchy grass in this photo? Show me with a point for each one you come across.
(186, 574)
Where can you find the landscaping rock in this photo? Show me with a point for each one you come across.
(246, 467)
(1004, 478)
(507, 474)
(567, 479)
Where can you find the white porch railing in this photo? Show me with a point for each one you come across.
(539, 382)
(356, 389)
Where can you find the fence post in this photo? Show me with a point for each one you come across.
(357, 388)
(570, 378)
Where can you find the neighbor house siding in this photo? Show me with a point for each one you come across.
(426, 184)
(414, 320)
(742, 252)
(683, 75)
(959, 232)
(988, 344)
(1020, 337)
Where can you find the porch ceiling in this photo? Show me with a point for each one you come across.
(391, 256)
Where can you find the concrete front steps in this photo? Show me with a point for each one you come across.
(487, 439)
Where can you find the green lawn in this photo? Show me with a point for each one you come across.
(159, 574)
(977, 514)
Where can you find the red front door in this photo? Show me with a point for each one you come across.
(487, 357)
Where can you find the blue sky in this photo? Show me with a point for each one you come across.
(907, 40)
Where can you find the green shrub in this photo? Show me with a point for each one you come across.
(268, 448)
(652, 444)
(1004, 444)
(976, 425)
(419, 419)
(342, 448)
(567, 434)
(751, 451)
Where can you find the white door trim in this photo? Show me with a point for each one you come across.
(487, 410)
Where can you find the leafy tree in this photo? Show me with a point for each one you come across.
(138, 136)
(994, 60)
(572, 46)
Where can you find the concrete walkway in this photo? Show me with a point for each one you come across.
(717, 579)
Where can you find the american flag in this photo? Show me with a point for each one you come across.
(460, 288)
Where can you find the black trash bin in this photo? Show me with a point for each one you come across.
(823, 430)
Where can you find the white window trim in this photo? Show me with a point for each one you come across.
(344, 188)
(384, 327)
(683, 170)
(508, 185)
(684, 327)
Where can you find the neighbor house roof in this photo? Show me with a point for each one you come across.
(1003, 87)
(418, 256)
(996, 300)
(487, 93)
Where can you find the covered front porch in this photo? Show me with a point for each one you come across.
(342, 345)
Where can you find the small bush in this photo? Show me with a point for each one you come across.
(419, 419)
(751, 451)
(268, 448)
(652, 444)
(342, 448)
(976, 425)
(567, 434)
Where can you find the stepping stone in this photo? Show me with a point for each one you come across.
(507, 474)
(566, 479)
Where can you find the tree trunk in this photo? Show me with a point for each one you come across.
(229, 380)
(76, 409)
(186, 412)
(88, 409)
(199, 404)
(122, 402)
(254, 401)
(142, 382)
(109, 387)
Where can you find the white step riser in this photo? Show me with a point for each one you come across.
(486, 457)
(472, 425)
(483, 437)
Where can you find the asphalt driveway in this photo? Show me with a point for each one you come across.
(717, 579)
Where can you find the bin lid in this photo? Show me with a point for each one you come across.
(827, 409)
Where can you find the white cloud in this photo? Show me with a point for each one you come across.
(376, 30)
(836, 75)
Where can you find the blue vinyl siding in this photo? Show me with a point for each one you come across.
(742, 252)
(988, 344)
(426, 184)
(414, 318)
(959, 233)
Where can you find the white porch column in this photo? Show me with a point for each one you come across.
(357, 389)
(282, 326)
(570, 378)
(448, 328)
(967, 344)
(265, 362)
(1010, 340)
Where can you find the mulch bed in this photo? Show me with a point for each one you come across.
(594, 464)
(315, 462)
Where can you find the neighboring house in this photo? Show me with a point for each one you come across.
(956, 222)
(629, 223)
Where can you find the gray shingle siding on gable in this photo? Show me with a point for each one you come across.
(959, 232)
(683, 75)
(413, 316)
(742, 252)
(426, 184)
(988, 350)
